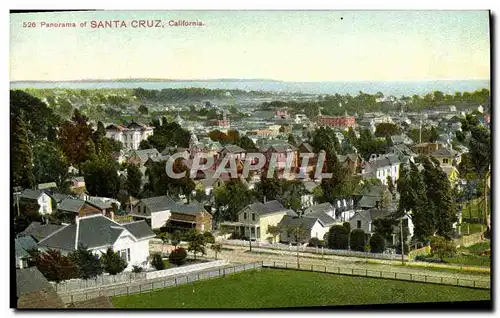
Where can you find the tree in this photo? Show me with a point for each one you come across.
(357, 240)
(157, 262)
(137, 269)
(176, 238)
(273, 230)
(112, 263)
(384, 227)
(134, 180)
(377, 243)
(143, 110)
(216, 248)
(22, 155)
(101, 177)
(87, 262)
(387, 129)
(314, 242)
(196, 244)
(55, 266)
(390, 185)
(442, 247)
(164, 238)
(230, 199)
(208, 237)
(338, 237)
(246, 143)
(75, 139)
(50, 164)
(291, 140)
(177, 256)
(28, 213)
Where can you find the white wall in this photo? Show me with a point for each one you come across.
(45, 203)
(185, 269)
(319, 231)
(158, 219)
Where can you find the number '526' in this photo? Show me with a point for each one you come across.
(29, 24)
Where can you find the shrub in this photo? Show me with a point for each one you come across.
(338, 237)
(178, 256)
(157, 262)
(377, 243)
(420, 258)
(136, 269)
(112, 263)
(209, 237)
(442, 247)
(314, 242)
(358, 240)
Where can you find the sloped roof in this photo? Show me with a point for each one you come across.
(99, 302)
(71, 205)
(35, 291)
(31, 194)
(266, 208)
(384, 161)
(139, 229)
(40, 231)
(444, 152)
(47, 185)
(94, 231)
(310, 185)
(58, 197)
(23, 245)
(233, 148)
(372, 214)
(160, 203)
(307, 147)
(100, 204)
(306, 222)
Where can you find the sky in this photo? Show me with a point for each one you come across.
(282, 45)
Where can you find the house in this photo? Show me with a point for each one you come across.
(76, 207)
(37, 196)
(382, 166)
(46, 186)
(233, 152)
(325, 212)
(155, 210)
(139, 157)
(281, 151)
(131, 135)
(370, 197)
(187, 216)
(34, 291)
(98, 233)
(368, 124)
(307, 199)
(163, 211)
(425, 148)
(401, 139)
(447, 156)
(39, 231)
(312, 225)
(22, 247)
(352, 161)
(254, 219)
(342, 122)
(363, 219)
(77, 185)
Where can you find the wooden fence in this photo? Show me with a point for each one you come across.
(155, 284)
(414, 277)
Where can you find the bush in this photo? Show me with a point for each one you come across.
(442, 247)
(209, 237)
(338, 237)
(377, 243)
(136, 269)
(314, 242)
(358, 240)
(157, 262)
(420, 258)
(178, 256)
(112, 262)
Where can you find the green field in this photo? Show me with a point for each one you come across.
(272, 288)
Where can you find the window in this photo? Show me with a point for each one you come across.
(245, 216)
(359, 224)
(253, 216)
(445, 160)
(144, 210)
(125, 254)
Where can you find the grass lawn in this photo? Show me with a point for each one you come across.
(272, 288)
(477, 248)
(469, 260)
(473, 228)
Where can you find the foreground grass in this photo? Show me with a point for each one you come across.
(273, 288)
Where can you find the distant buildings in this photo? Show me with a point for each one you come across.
(341, 122)
(131, 135)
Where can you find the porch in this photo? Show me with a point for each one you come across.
(244, 230)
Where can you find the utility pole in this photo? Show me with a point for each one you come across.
(297, 230)
(17, 203)
(402, 242)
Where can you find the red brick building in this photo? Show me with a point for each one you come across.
(336, 121)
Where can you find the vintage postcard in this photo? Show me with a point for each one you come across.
(250, 159)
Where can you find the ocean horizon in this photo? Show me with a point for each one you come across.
(396, 88)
